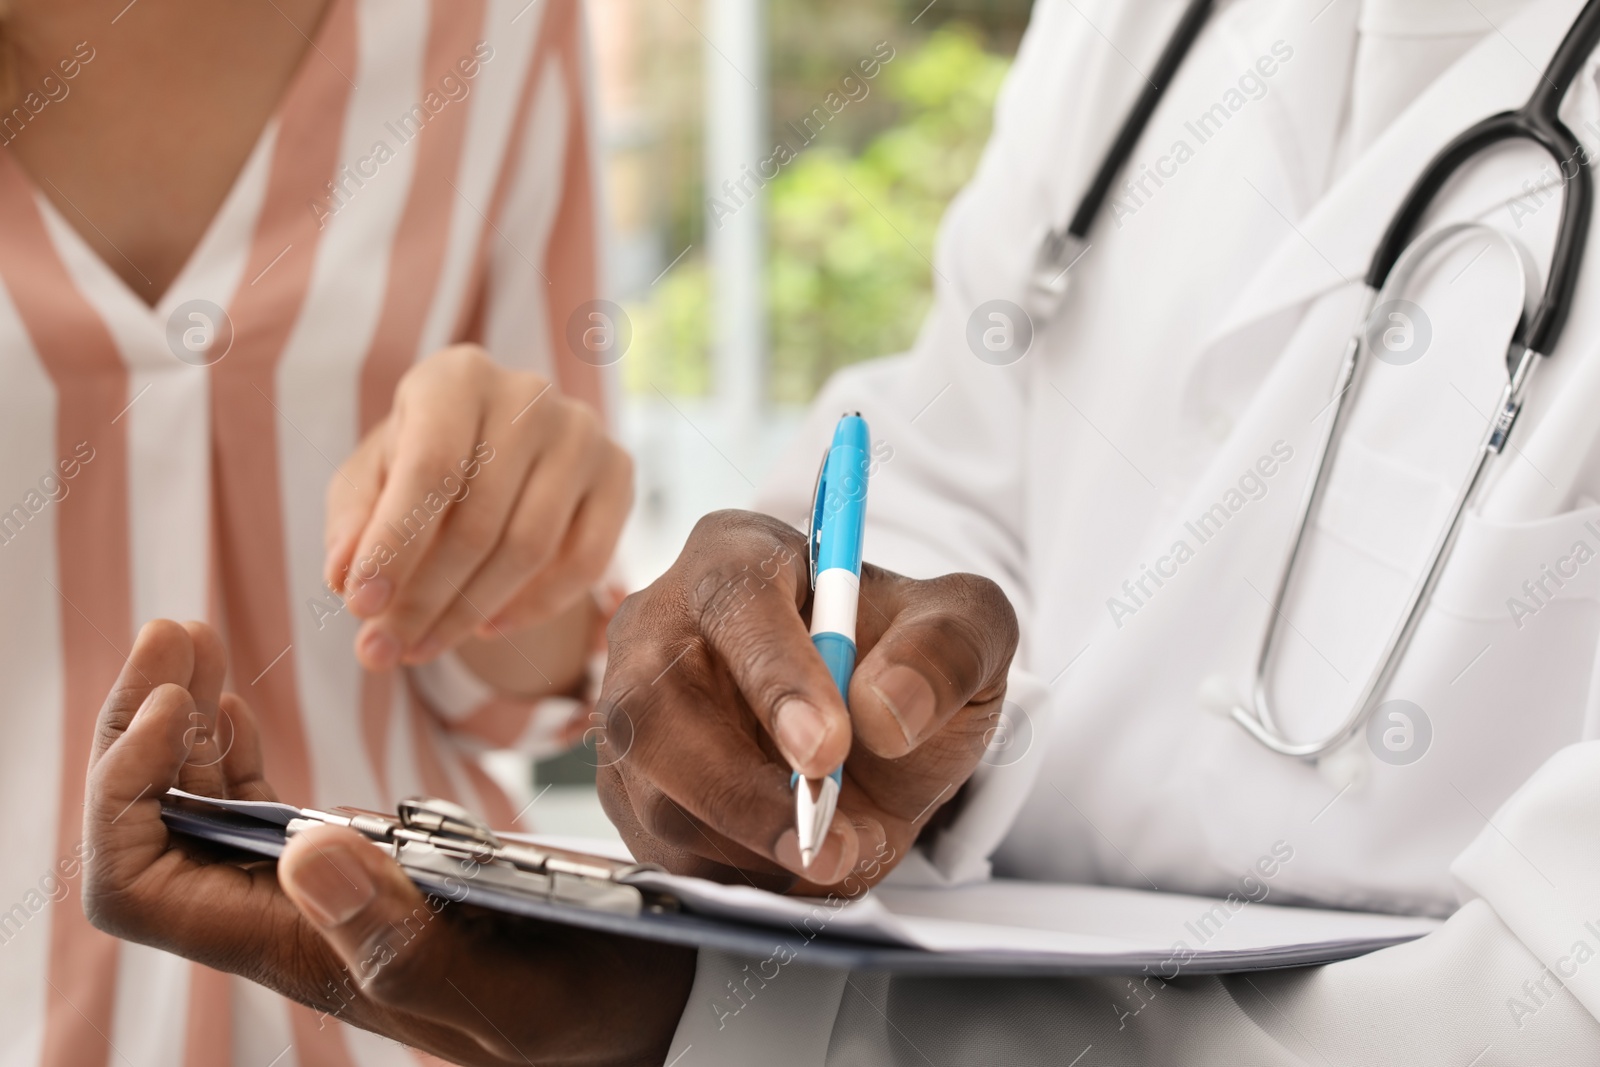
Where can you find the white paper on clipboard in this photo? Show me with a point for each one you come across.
(1037, 920)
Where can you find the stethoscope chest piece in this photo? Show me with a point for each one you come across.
(1059, 250)
(1346, 768)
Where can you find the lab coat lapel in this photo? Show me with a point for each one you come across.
(1148, 661)
(1307, 96)
(1330, 247)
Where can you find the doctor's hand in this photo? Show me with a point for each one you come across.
(483, 504)
(713, 692)
(334, 923)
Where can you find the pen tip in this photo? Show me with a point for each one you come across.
(807, 855)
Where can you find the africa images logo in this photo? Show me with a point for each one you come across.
(1251, 486)
(1251, 85)
(454, 86)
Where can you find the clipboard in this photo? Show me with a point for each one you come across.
(450, 853)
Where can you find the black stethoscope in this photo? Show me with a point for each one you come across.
(1535, 335)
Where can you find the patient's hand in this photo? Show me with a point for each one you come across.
(485, 503)
(330, 924)
(713, 692)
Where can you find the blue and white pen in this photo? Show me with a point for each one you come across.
(838, 521)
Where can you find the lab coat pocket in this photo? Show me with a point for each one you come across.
(1502, 665)
(1507, 645)
(1512, 572)
(1497, 676)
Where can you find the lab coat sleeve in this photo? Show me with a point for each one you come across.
(1511, 978)
(944, 496)
(944, 491)
(1537, 864)
(949, 429)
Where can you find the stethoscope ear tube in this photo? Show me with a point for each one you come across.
(1190, 23)
(1061, 247)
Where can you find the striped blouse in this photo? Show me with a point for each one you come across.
(427, 178)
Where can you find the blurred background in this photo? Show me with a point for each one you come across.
(774, 173)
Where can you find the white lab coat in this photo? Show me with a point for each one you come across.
(1198, 345)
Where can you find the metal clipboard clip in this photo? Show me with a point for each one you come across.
(440, 842)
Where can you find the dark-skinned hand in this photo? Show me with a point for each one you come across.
(334, 923)
(713, 693)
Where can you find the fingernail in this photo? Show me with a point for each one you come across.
(378, 651)
(334, 886)
(800, 728)
(338, 549)
(367, 598)
(870, 838)
(828, 866)
(787, 850)
(909, 699)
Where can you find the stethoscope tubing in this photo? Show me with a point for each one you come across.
(1537, 331)
(1190, 23)
(1538, 121)
(1543, 329)
(1258, 718)
(1397, 253)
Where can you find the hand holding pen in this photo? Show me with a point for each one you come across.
(715, 696)
(834, 544)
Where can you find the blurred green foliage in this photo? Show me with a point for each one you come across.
(671, 349)
(851, 228)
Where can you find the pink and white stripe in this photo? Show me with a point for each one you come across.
(204, 496)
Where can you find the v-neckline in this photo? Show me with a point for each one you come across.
(202, 257)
